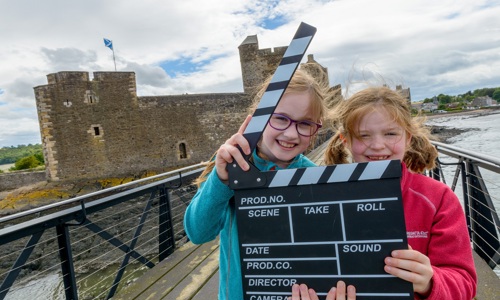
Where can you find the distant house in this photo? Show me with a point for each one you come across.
(428, 107)
(483, 102)
(453, 105)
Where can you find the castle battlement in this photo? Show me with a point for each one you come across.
(67, 76)
(272, 51)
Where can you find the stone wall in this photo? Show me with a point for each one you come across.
(13, 180)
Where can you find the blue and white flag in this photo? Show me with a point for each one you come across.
(108, 43)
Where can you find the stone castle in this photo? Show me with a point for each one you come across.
(100, 128)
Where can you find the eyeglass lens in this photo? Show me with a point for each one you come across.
(282, 122)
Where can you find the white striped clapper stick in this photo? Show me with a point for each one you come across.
(275, 90)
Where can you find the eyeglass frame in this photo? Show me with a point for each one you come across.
(291, 121)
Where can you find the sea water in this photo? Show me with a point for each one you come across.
(482, 136)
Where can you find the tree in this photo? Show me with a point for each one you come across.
(496, 94)
(444, 99)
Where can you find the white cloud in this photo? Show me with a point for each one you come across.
(431, 46)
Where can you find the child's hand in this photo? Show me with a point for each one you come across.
(301, 292)
(229, 152)
(412, 266)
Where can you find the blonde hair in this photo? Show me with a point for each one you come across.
(420, 155)
(302, 81)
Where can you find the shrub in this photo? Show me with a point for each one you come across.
(29, 162)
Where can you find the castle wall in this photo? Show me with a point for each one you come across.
(187, 129)
(100, 128)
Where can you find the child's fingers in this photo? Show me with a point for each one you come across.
(351, 293)
(239, 139)
(340, 292)
(410, 259)
(245, 124)
(412, 266)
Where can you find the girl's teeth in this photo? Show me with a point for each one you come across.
(286, 144)
(378, 157)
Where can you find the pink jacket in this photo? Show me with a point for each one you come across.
(436, 227)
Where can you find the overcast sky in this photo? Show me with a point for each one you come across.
(191, 46)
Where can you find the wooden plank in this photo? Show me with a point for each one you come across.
(210, 290)
(176, 275)
(182, 261)
(190, 285)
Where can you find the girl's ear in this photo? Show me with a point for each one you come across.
(408, 139)
(343, 139)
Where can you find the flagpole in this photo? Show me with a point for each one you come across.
(114, 57)
(109, 44)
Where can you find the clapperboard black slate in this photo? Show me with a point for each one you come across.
(316, 225)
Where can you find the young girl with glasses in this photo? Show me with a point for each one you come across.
(376, 124)
(293, 126)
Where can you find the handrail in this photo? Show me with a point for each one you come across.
(486, 161)
(93, 194)
(482, 217)
(149, 211)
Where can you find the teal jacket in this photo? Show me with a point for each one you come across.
(210, 214)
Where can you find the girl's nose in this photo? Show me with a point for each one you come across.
(377, 142)
(291, 131)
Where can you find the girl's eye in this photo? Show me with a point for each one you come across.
(280, 119)
(305, 124)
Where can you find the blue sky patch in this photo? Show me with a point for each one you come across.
(273, 23)
(185, 65)
(1, 91)
(453, 16)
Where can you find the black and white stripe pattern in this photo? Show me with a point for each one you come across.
(334, 174)
(279, 83)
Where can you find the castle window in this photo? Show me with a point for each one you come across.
(90, 97)
(182, 151)
(96, 131)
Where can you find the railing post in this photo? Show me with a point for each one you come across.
(466, 196)
(435, 172)
(66, 257)
(484, 237)
(166, 237)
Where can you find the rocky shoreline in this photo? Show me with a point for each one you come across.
(444, 133)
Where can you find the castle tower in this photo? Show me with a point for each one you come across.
(76, 129)
(257, 65)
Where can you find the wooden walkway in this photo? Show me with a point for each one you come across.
(190, 273)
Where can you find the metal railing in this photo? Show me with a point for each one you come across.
(94, 243)
(97, 243)
(478, 176)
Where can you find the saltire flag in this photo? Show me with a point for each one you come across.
(108, 43)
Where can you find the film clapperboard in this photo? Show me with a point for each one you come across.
(316, 225)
